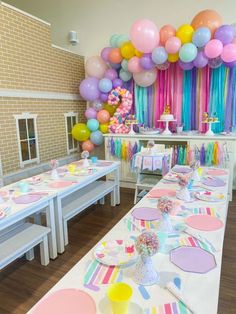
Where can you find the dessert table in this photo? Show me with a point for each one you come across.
(197, 283)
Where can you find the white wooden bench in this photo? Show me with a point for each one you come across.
(83, 198)
(20, 239)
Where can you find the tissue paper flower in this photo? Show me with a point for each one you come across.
(147, 243)
(195, 164)
(183, 180)
(165, 204)
(54, 163)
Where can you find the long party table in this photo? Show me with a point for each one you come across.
(49, 193)
(199, 290)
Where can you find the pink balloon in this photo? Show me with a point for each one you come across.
(87, 145)
(173, 45)
(96, 67)
(144, 35)
(229, 53)
(145, 78)
(134, 65)
(213, 48)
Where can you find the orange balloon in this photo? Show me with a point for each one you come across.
(207, 18)
(87, 145)
(115, 55)
(166, 32)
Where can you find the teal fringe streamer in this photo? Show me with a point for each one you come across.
(186, 101)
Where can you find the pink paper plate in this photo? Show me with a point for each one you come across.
(217, 172)
(155, 193)
(60, 184)
(146, 213)
(66, 301)
(204, 222)
(27, 198)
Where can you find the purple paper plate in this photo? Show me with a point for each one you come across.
(146, 213)
(193, 259)
(179, 169)
(216, 182)
(28, 198)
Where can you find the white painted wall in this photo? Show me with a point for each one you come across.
(97, 20)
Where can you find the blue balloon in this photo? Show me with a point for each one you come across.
(124, 65)
(96, 137)
(201, 36)
(159, 55)
(188, 52)
(105, 85)
(113, 41)
(93, 124)
(125, 75)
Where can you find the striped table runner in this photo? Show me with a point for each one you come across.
(168, 308)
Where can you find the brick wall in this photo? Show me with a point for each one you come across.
(29, 62)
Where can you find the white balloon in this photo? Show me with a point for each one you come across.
(145, 78)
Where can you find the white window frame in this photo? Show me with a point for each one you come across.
(70, 115)
(27, 115)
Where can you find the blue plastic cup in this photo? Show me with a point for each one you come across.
(94, 159)
(24, 187)
(162, 236)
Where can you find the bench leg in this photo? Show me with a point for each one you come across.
(37, 219)
(65, 232)
(102, 200)
(113, 197)
(135, 195)
(30, 255)
(44, 256)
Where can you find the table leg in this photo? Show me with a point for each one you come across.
(50, 221)
(59, 226)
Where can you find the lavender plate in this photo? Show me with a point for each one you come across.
(210, 181)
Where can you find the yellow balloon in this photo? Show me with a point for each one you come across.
(185, 33)
(127, 50)
(80, 132)
(138, 53)
(173, 57)
(110, 108)
(104, 127)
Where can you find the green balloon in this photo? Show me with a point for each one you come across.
(188, 52)
(121, 40)
(113, 41)
(124, 65)
(125, 75)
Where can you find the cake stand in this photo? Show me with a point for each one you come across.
(210, 132)
(131, 123)
(167, 131)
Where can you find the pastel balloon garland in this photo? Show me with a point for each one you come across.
(116, 96)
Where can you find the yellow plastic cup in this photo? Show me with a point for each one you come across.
(119, 295)
(72, 168)
(200, 171)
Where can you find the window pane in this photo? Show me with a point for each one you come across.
(75, 143)
(31, 132)
(22, 129)
(24, 150)
(73, 121)
(70, 141)
(32, 144)
(69, 126)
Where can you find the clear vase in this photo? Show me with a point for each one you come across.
(184, 194)
(196, 176)
(54, 174)
(167, 224)
(145, 274)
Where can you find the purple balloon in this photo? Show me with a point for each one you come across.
(201, 60)
(146, 61)
(225, 34)
(104, 97)
(117, 82)
(105, 53)
(230, 64)
(185, 65)
(215, 62)
(111, 74)
(89, 89)
(90, 113)
(115, 66)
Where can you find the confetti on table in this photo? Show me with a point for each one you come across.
(168, 308)
(98, 274)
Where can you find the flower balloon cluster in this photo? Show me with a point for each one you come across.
(54, 163)
(147, 243)
(84, 154)
(183, 180)
(165, 204)
(195, 164)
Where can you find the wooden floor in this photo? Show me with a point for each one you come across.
(23, 283)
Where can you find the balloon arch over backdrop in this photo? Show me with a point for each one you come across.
(192, 69)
